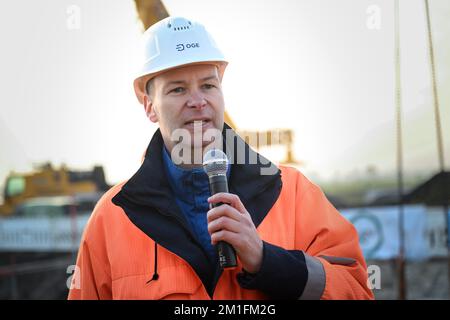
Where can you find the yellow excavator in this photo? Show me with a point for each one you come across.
(46, 181)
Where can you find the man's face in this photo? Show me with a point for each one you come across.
(186, 98)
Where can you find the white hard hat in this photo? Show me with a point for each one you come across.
(174, 42)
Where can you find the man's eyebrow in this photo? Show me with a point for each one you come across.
(212, 77)
(175, 82)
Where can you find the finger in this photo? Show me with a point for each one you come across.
(223, 210)
(229, 198)
(225, 235)
(224, 223)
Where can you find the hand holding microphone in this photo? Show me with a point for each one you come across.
(229, 223)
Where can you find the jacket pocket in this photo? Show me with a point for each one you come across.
(174, 282)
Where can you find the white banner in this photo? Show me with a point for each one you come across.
(377, 228)
(42, 234)
(436, 231)
(379, 235)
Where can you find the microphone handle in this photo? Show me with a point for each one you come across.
(226, 253)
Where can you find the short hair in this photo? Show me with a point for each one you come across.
(148, 87)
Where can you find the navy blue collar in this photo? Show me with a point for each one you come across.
(182, 180)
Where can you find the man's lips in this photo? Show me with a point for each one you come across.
(202, 121)
(198, 124)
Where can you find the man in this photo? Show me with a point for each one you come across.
(154, 236)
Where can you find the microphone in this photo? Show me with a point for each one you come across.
(215, 164)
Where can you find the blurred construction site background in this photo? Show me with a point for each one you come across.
(358, 91)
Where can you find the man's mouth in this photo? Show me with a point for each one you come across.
(197, 122)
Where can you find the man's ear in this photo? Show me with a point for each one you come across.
(150, 109)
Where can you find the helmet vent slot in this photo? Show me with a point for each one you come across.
(180, 28)
(179, 25)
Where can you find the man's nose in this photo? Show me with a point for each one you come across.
(196, 100)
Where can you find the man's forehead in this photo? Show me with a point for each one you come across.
(189, 72)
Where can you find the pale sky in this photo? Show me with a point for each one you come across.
(311, 66)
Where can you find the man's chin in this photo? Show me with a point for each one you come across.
(200, 138)
(192, 153)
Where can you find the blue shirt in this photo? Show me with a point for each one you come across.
(191, 189)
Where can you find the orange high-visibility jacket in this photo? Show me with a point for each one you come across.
(138, 245)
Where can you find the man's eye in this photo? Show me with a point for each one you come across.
(177, 90)
(208, 86)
